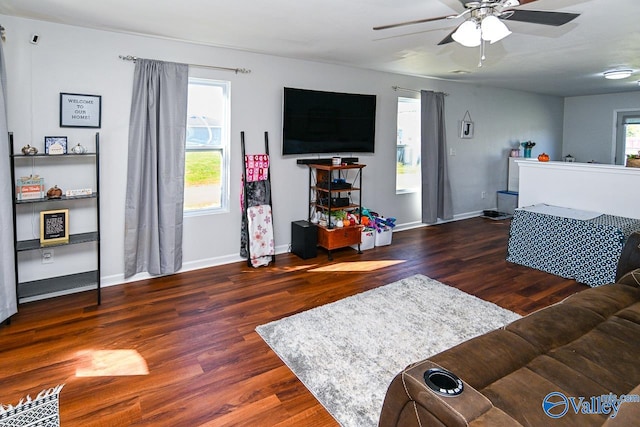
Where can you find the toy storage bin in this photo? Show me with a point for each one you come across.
(383, 238)
(367, 239)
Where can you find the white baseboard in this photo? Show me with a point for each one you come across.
(118, 279)
(418, 224)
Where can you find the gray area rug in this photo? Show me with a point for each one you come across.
(347, 352)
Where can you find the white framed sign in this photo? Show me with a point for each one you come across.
(466, 126)
(83, 111)
(466, 130)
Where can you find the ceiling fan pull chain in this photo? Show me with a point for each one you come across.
(482, 57)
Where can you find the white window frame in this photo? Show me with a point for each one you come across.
(416, 154)
(224, 148)
(622, 118)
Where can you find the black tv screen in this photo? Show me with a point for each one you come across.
(317, 122)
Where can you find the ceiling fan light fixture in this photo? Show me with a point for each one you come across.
(617, 74)
(493, 29)
(468, 33)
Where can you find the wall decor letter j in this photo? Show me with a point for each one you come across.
(466, 127)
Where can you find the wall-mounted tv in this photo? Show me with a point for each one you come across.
(316, 122)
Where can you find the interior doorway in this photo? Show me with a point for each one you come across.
(627, 135)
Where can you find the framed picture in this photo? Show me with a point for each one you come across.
(54, 227)
(55, 145)
(466, 129)
(81, 111)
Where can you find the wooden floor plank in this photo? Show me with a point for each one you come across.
(196, 330)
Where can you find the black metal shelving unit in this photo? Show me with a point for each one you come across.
(322, 190)
(68, 283)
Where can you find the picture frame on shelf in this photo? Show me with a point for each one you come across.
(55, 145)
(54, 227)
(79, 110)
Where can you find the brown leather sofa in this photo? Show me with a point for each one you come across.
(575, 363)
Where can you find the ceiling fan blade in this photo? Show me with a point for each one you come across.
(417, 21)
(520, 2)
(448, 39)
(540, 16)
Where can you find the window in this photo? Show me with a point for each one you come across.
(408, 146)
(632, 136)
(627, 135)
(206, 184)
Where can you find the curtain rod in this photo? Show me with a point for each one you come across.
(213, 67)
(397, 88)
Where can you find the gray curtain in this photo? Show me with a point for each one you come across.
(8, 298)
(155, 169)
(436, 189)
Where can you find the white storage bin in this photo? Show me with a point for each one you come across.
(367, 240)
(384, 237)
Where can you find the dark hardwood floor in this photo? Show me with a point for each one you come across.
(195, 330)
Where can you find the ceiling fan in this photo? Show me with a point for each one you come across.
(483, 21)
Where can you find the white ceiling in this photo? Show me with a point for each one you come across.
(566, 61)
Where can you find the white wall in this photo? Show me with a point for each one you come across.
(79, 60)
(584, 186)
(589, 125)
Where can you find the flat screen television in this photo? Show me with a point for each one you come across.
(316, 122)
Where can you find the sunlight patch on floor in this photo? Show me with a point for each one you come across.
(296, 268)
(111, 363)
(359, 266)
(286, 269)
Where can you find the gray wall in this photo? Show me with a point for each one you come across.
(79, 60)
(589, 124)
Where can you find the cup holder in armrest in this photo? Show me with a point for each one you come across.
(443, 382)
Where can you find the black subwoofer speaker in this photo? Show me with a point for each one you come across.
(304, 239)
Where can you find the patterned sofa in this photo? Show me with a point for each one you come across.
(574, 363)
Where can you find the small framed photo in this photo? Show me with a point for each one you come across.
(81, 111)
(466, 129)
(55, 145)
(54, 227)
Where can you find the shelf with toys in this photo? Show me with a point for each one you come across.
(334, 196)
